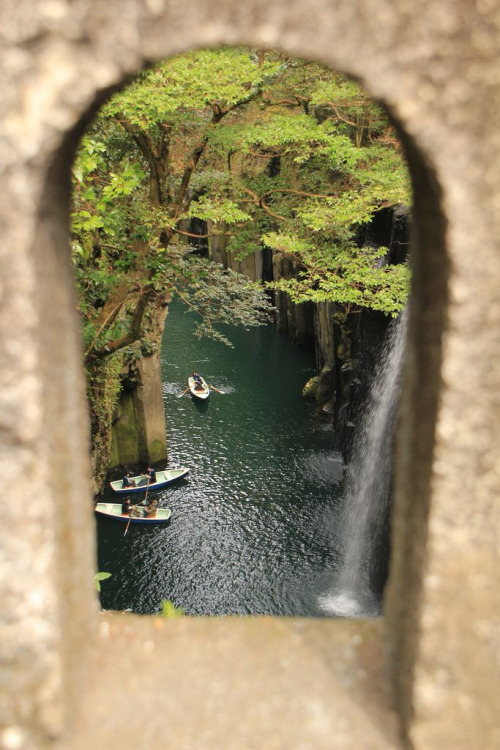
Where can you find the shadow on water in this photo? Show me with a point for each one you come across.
(201, 406)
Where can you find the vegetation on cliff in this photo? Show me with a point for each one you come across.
(267, 150)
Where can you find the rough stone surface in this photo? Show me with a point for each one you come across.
(139, 432)
(436, 66)
(249, 683)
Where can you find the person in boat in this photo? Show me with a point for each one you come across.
(151, 507)
(127, 482)
(197, 381)
(149, 477)
(126, 507)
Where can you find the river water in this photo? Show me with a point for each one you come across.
(254, 525)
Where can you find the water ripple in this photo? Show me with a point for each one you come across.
(253, 526)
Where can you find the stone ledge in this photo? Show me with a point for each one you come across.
(237, 684)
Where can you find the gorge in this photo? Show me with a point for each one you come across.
(251, 187)
(259, 526)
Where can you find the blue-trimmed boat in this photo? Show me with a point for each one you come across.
(114, 511)
(163, 478)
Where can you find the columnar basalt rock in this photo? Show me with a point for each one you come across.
(436, 67)
(138, 432)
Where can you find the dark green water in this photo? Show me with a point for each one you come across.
(254, 525)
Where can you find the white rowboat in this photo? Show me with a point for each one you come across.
(198, 391)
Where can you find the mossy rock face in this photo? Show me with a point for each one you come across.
(311, 387)
(157, 450)
(125, 447)
(325, 390)
(114, 456)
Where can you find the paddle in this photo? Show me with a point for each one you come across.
(216, 389)
(183, 392)
(145, 498)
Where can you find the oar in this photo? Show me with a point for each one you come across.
(126, 529)
(216, 389)
(145, 498)
(183, 392)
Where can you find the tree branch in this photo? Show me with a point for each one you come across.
(156, 155)
(218, 114)
(135, 328)
(295, 192)
(143, 141)
(107, 321)
(201, 236)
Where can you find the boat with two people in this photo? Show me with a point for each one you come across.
(149, 481)
(148, 514)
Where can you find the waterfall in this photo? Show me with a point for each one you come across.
(368, 483)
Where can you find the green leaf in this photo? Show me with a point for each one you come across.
(100, 577)
(169, 610)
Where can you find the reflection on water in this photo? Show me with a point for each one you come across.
(254, 524)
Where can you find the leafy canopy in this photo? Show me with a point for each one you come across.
(262, 150)
(195, 137)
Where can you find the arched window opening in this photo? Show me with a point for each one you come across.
(251, 187)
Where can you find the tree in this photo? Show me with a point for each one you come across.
(133, 186)
(154, 133)
(267, 150)
(339, 163)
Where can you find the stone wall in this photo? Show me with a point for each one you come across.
(72, 678)
(139, 430)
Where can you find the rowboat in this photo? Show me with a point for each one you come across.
(114, 511)
(163, 478)
(198, 391)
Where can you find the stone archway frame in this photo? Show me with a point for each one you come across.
(236, 682)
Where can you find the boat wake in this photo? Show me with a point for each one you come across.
(226, 388)
(170, 389)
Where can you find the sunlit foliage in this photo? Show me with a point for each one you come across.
(266, 150)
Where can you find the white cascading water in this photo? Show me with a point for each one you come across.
(368, 483)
